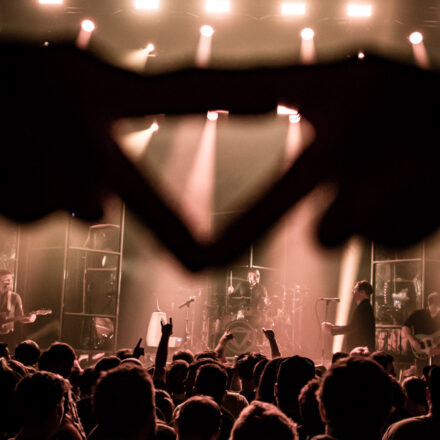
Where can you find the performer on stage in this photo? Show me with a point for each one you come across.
(11, 310)
(361, 330)
(250, 298)
(424, 322)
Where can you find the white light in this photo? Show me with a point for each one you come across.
(357, 10)
(295, 118)
(283, 110)
(88, 25)
(361, 55)
(218, 6)
(293, 8)
(150, 48)
(50, 2)
(154, 126)
(307, 34)
(416, 38)
(146, 4)
(212, 116)
(207, 31)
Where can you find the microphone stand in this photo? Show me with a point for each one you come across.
(187, 333)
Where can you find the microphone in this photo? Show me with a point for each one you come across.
(187, 303)
(330, 299)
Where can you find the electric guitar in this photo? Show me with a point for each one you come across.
(24, 317)
(427, 342)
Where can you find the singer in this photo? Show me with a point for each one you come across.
(360, 332)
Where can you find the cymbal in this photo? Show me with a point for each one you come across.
(260, 267)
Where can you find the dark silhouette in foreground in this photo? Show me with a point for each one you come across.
(376, 141)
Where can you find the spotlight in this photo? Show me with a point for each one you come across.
(283, 110)
(212, 116)
(88, 25)
(150, 48)
(46, 43)
(50, 2)
(295, 118)
(154, 126)
(207, 31)
(293, 8)
(416, 38)
(359, 10)
(361, 55)
(307, 34)
(146, 4)
(218, 6)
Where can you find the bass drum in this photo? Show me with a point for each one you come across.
(244, 340)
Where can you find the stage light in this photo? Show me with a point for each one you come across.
(88, 26)
(307, 34)
(147, 4)
(150, 47)
(154, 126)
(207, 31)
(361, 55)
(416, 38)
(283, 110)
(359, 10)
(46, 43)
(293, 8)
(212, 116)
(50, 2)
(221, 6)
(295, 118)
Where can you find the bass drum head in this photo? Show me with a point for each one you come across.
(244, 340)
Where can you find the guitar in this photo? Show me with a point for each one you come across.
(427, 342)
(24, 317)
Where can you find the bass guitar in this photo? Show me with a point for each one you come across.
(428, 343)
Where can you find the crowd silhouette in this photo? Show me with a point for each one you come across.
(204, 396)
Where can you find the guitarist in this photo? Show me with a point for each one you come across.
(10, 307)
(427, 322)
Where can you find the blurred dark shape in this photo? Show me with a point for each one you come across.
(376, 141)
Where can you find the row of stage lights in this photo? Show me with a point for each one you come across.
(224, 7)
(307, 34)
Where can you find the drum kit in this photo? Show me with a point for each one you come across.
(245, 324)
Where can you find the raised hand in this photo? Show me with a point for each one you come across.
(269, 333)
(167, 329)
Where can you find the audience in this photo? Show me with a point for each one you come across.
(198, 418)
(293, 373)
(39, 400)
(263, 421)
(426, 427)
(355, 400)
(124, 405)
(203, 396)
(28, 353)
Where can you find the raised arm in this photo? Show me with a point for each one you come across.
(270, 336)
(162, 352)
(220, 349)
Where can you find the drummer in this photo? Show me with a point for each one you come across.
(250, 299)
